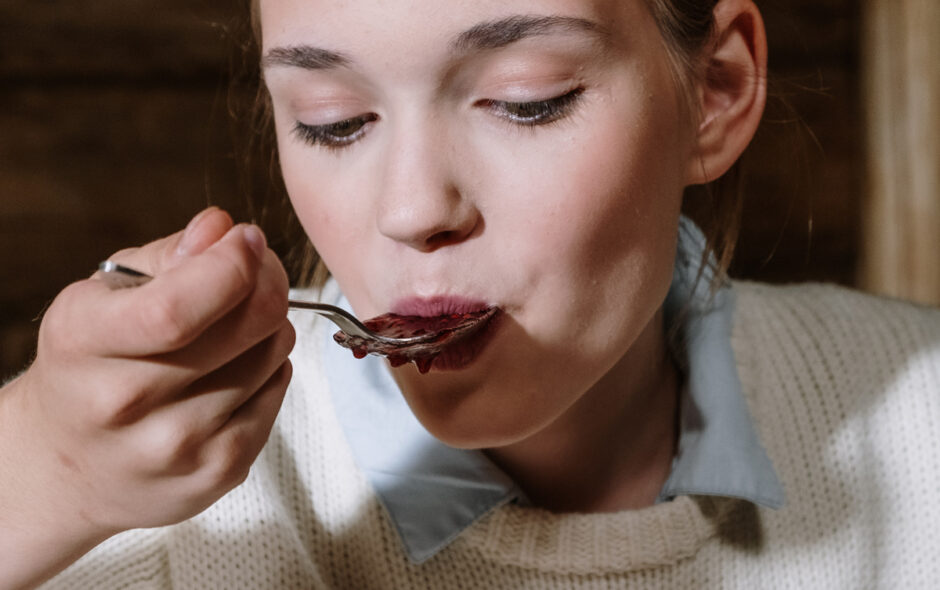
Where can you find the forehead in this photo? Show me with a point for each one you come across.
(365, 23)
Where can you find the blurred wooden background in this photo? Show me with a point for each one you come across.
(113, 132)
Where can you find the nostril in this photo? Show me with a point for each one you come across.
(461, 231)
(426, 219)
(443, 238)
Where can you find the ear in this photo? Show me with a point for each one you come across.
(732, 92)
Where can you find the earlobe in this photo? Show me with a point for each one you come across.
(731, 92)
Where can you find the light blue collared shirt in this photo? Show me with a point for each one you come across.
(432, 492)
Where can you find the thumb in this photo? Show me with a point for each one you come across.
(203, 230)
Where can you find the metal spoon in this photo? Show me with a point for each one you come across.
(118, 277)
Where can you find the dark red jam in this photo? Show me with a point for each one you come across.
(439, 332)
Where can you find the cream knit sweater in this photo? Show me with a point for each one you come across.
(845, 392)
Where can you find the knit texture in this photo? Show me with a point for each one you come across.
(844, 389)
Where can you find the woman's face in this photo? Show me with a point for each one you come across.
(527, 154)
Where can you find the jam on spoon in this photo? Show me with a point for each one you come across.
(442, 331)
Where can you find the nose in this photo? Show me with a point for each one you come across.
(421, 202)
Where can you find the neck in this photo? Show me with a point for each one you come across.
(613, 449)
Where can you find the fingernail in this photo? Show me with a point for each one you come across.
(189, 234)
(256, 240)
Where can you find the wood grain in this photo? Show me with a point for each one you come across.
(903, 208)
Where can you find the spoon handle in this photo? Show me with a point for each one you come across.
(118, 276)
(122, 277)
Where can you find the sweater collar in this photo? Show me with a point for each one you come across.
(432, 492)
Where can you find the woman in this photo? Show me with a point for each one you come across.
(606, 429)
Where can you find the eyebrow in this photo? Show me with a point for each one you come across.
(487, 35)
(503, 32)
(304, 56)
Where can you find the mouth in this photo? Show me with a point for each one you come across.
(434, 307)
(452, 331)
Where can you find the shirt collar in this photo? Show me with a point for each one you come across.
(432, 491)
(719, 451)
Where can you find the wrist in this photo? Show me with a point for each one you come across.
(42, 529)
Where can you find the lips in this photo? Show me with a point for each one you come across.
(442, 305)
(460, 329)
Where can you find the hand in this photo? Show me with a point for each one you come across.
(144, 406)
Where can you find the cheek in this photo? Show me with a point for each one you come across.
(597, 197)
(308, 195)
(332, 220)
(599, 229)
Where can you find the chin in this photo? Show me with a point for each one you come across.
(486, 414)
(514, 388)
(475, 434)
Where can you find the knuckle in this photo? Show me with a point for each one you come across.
(170, 447)
(271, 304)
(288, 337)
(271, 396)
(99, 408)
(238, 266)
(288, 373)
(279, 273)
(111, 408)
(54, 329)
(236, 455)
(282, 378)
(234, 477)
(60, 329)
(271, 293)
(163, 320)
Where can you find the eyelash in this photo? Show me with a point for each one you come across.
(539, 112)
(329, 135)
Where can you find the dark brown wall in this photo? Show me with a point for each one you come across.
(106, 112)
(802, 214)
(112, 127)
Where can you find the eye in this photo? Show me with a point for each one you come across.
(537, 112)
(334, 135)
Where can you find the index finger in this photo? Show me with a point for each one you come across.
(175, 307)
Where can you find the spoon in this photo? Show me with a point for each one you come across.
(421, 347)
